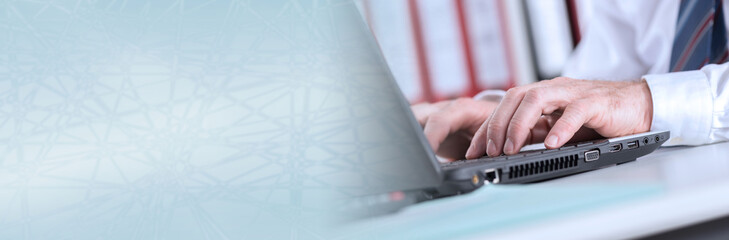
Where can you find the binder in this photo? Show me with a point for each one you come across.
(491, 44)
(443, 49)
(390, 22)
(551, 35)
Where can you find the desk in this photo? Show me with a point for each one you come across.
(670, 188)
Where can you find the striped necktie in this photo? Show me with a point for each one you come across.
(700, 35)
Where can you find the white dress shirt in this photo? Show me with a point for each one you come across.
(630, 40)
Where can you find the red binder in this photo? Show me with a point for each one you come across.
(458, 47)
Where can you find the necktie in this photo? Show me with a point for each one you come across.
(700, 35)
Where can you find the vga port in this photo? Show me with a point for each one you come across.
(592, 155)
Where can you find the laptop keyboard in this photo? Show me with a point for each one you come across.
(486, 159)
(472, 161)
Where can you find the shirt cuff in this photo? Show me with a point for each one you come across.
(490, 95)
(682, 104)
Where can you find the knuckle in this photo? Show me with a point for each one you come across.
(513, 92)
(517, 125)
(534, 95)
(480, 132)
(571, 122)
(494, 126)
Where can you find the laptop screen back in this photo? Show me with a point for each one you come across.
(397, 157)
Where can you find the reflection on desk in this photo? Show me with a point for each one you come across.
(670, 188)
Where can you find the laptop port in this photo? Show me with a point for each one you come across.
(492, 175)
(475, 179)
(616, 147)
(645, 140)
(592, 155)
(633, 144)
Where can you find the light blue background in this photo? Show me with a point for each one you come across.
(159, 119)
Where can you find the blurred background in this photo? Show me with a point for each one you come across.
(442, 49)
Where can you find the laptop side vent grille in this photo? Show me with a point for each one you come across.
(544, 166)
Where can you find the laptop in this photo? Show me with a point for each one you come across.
(434, 179)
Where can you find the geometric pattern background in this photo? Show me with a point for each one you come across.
(173, 119)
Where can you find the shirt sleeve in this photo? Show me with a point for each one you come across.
(693, 105)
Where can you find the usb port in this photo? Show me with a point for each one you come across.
(633, 144)
(616, 147)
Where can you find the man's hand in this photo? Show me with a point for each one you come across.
(610, 108)
(450, 125)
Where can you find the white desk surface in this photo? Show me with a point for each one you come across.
(667, 189)
(696, 180)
